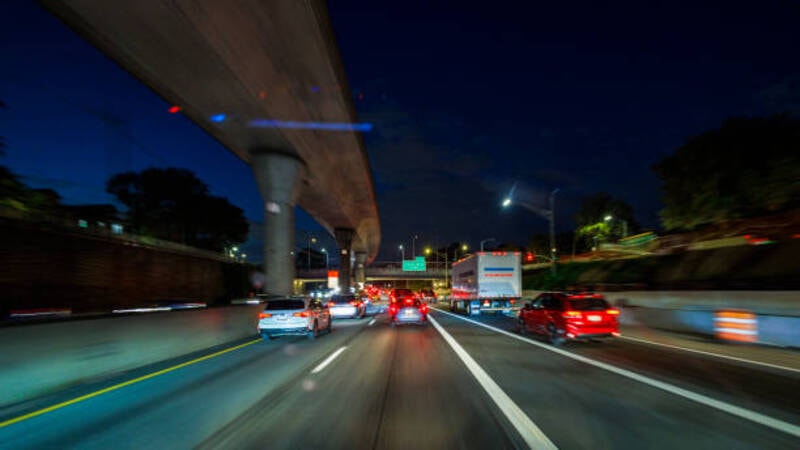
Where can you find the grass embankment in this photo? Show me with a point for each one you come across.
(773, 266)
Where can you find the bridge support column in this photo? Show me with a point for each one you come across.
(344, 239)
(276, 175)
(361, 267)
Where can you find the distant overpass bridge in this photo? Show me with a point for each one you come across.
(378, 271)
(254, 75)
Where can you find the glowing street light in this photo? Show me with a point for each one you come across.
(548, 214)
(402, 252)
(608, 218)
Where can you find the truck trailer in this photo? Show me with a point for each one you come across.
(487, 282)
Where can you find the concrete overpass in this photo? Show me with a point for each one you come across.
(230, 66)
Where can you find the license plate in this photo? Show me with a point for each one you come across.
(283, 317)
(408, 313)
(594, 318)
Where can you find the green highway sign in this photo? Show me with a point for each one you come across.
(414, 265)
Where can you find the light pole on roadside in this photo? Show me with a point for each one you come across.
(548, 214)
(311, 240)
(486, 240)
(402, 252)
(327, 258)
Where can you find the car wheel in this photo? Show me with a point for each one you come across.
(392, 323)
(469, 309)
(553, 336)
(329, 328)
(313, 334)
(267, 337)
(522, 330)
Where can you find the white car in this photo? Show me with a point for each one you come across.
(293, 316)
(347, 306)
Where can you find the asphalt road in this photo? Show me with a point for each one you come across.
(408, 388)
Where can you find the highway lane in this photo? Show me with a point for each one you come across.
(178, 409)
(407, 388)
(770, 391)
(392, 388)
(580, 406)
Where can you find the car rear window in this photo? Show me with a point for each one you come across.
(342, 298)
(284, 304)
(588, 304)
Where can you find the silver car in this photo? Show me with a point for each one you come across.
(347, 306)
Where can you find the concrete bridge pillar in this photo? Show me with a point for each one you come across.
(344, 239)
(361, 267)
(277, 178)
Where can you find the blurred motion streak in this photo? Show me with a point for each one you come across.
(330, 126)
(737, 326)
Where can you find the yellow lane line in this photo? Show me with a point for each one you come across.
(121, 385)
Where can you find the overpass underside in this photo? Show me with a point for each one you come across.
(244, 71)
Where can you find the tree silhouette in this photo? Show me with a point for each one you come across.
(748, 167)
(173, 204)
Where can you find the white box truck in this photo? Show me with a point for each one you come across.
(487, 281)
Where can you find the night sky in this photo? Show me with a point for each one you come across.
(466, 101)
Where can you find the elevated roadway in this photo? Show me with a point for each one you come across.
(240, 70)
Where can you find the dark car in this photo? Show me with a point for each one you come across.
(569, 316)
(400, 295)
(427, 295)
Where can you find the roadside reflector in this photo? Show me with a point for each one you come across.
(736, 326)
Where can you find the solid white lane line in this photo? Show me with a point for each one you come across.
(531, 433)
(371, 322)
(328, 360)
(747, 414)
(716, 355)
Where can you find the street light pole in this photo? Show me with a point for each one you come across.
(414, 246)
(402, 253)
(486, 240)
(327, 260)
(548, 214)
(553, 229)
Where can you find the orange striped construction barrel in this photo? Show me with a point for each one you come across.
(736, 326)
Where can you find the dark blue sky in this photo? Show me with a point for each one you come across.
(465, 101)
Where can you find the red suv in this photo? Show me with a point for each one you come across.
(566, 316)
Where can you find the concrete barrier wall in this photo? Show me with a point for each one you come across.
(778, 312)
(42, 358)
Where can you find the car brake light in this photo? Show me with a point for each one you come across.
(354, 303)
(424, 308)
(512, 301)
(264, 315)
(612, 312)
(301, 314)
(571, 314)
(331, 304)
(409, 301)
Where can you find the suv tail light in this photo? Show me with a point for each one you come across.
(302, 314)
(571, 314)
(393, 309)
(612, 312)
(264, 315)
(423, 308)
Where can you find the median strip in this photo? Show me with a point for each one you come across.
(121, 385)
(743, 413)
